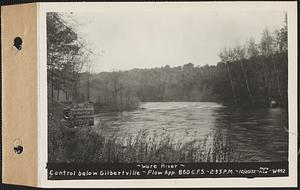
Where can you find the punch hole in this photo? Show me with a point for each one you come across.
(18, 43)
(18, 148)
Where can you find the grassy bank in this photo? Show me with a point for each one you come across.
(85, 145)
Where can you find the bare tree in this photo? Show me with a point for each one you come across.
(225, 57)
(239, 56)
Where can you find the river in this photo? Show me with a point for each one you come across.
(259, 134)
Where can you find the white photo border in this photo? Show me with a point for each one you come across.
(289, 7)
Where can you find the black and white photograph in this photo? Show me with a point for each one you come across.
(167, 86)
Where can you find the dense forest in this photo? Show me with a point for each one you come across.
(67, 56)
(251, 75)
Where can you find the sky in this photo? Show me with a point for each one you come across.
(148, 39)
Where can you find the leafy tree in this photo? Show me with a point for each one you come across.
(267, 47)
(66, 55)
(281, 36)
(251, 48)
(249, 75)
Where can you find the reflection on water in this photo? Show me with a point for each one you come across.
(260, 134)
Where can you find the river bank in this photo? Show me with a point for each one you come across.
(88, 145)
(173, 132)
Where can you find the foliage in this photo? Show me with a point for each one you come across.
(251, 75)
(244, 82)
(66, 55)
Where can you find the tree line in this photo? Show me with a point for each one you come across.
(249, 75)
(67, 55)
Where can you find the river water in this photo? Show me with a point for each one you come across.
(259, 134)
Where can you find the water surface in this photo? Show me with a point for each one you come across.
(259, 134)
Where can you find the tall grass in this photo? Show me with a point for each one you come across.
(86, 146)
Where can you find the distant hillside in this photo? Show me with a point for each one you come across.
(248, 82)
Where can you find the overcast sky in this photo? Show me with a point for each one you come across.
(148, 39)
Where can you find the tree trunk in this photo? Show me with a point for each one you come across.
(116, 101)
(52, 85)
(231, 83)
(116, 94)
(277, 80)
(58, 93)
(88, 87)
(66, 95)
(277, 77)
(284, 88)
(265, 84)
(75, 92)
(247, 84)
(121, 100)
